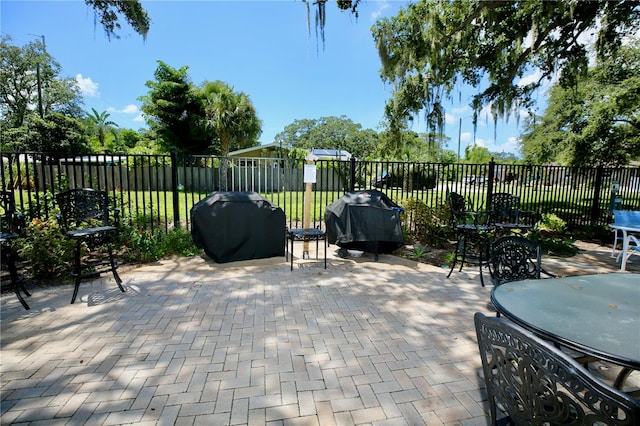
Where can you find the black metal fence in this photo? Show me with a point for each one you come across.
(159, 190)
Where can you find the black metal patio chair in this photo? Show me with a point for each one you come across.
(85, 217)
(514, 258)
(528, 381)
(11, 227)
(507, 217)
(472, 235)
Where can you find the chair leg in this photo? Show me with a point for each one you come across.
(455, 257)
(292, 241)
(482, 247)
(464, 252)
(76, 271)
(114, 268)
(453, 265)
(16, 280)
(324, 243)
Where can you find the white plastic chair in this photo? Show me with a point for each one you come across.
(623, 217)
(633, 247)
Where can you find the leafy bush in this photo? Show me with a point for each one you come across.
(559, 246)
(550, 232)
(552, 224)
(46, 250)
(431, 224)
(178, 241)
(142, 245)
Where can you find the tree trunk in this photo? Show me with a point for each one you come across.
(224, 168)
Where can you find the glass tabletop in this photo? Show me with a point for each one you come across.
(595, 314)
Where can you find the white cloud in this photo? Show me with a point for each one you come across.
(449, 118)
(129, 109)
(524, 114)
(512, 145)
(485, 115)
(139, 118)
(466, 137)
(378, 12)
(531, 78)
(483, 143)
(87, 86)
(465, 110)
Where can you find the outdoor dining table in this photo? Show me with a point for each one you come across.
(596, 315)
(626, 229)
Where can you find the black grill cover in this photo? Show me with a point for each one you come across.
(232, 226)
(365, 220)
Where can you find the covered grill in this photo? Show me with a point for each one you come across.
(233, 226)
(365, 220)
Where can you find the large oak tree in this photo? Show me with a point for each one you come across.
(329, 133)
(595, 122)
(433, 47)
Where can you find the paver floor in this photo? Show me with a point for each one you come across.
(193, 342)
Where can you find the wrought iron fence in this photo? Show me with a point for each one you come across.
(159, 190)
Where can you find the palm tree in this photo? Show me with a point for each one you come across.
(101, 122)
(232, 118)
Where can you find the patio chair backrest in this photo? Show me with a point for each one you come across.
(82, 207)
(514, 258)
(458, 206)
(504, 207)
(534, 382)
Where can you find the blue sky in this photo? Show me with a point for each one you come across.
(262, 48)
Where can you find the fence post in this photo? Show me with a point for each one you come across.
(490, 178)
(597, 187)
(174, 188)
(352, 182)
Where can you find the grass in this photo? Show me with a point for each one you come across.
(160, 204)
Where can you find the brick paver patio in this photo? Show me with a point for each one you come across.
(193, 342)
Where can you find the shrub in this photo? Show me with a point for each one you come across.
(550, 231)
(551, 223)
(431, 224)
(142, 245)
(178, 241)
(47, 251)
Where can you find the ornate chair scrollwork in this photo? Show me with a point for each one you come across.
(85, 218)
(514, 258)
(532, 382)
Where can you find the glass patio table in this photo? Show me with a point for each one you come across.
(597, 315)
